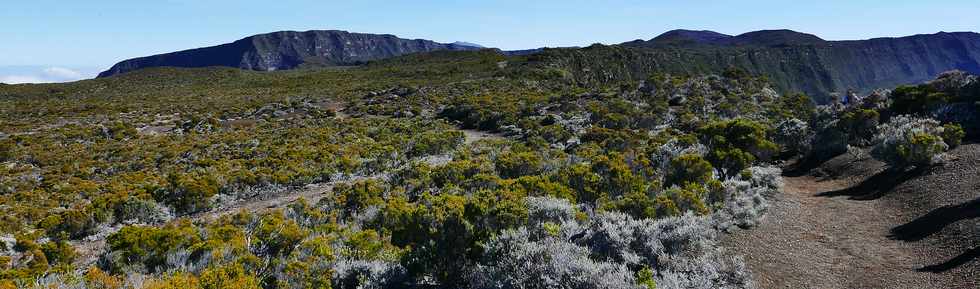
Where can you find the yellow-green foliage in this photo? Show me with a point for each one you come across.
(165, 143)
(689, 169)
(231, 276)
(516, 164)
(953, 134)
(149, 246)
(736, 144)
(920, 149)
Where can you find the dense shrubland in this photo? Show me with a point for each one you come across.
(618, 184)
(909, 127)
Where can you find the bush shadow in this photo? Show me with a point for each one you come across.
(935, 221)
(877, 185)
(957, 261)
(804, 166)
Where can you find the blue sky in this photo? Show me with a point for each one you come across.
(88, 36)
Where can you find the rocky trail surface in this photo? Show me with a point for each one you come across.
(820, 233)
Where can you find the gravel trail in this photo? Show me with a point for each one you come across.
(811, 240)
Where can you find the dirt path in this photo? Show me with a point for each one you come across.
(311, 193)
(813, 241)
(472, 136)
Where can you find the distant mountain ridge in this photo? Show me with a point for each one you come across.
(794, 61)
(289, 49)
(682, 37)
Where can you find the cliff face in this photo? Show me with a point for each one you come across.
(289, 49)
(795, 62)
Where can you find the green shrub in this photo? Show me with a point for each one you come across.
(644, 277)
(434, 142)
(916, 99)
(736, 144)
(352, 198)
(363, 245)
(921, 149)
(74, 224)
(59, 252)
(798, 106)
(859, 125)
(232, 276)
(279, 235)
(148, 246)
(689, 168)
(636, 204)
(909, 142)
(189, 192)
(7, 150)
(516, 164)
(953, 134)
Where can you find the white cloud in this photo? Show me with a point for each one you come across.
(62, 73)
(41, 74)
(18, 79)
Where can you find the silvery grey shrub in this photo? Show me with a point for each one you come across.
(605, 251)
(907, 141)
(368, 274)
(516, 260)
(747, 199)
(794, 136)
(144, 211)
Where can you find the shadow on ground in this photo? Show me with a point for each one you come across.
(957, 261)
(804, 166)
(876, 186)
(935, 221)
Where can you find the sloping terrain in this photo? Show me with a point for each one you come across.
(852, 224)
(793, 61)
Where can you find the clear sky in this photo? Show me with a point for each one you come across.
(92, 35)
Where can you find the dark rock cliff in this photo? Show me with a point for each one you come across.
(795, 62)
(289, 49)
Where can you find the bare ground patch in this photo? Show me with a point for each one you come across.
(842, 227)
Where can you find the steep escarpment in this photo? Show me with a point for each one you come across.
(289, 49)
(794, 62)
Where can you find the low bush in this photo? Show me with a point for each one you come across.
(140, 210)
(736, 144)
(59, 252)
(859, 125)
(689, 169)
(517, 260)
(146, 248)
(793, 136)
(908, 141)
(916, 99)
(953, 134)
(6, 149)
(350, 274)
(516, 164)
